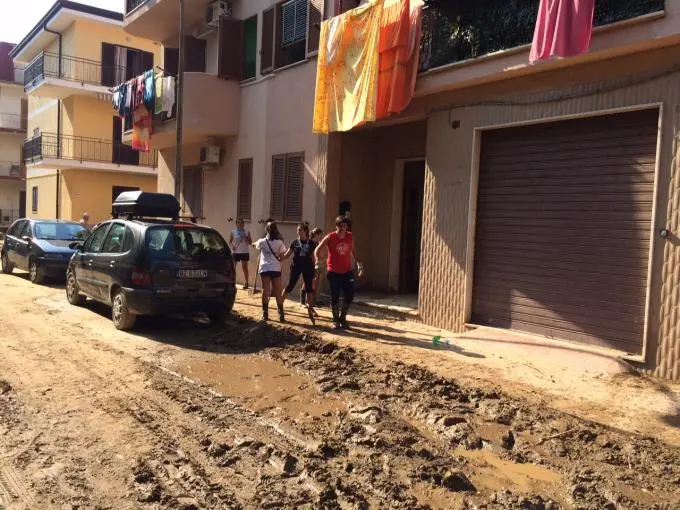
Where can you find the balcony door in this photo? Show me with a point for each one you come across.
(120, 63)
(123, 154)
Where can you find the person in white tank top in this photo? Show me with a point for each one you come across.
(240, 242)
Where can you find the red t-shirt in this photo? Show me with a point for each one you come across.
(339, 253)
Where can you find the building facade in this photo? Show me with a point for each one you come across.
(538, 198)
(248, 96)
(75, 159)
(12, 133)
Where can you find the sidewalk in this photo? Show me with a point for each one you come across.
(587, 382)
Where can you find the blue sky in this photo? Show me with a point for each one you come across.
(17, 18)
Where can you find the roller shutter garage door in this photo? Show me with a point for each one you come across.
(564, 214)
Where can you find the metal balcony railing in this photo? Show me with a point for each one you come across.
(80, 148)
(81, 70)
(9, 216)
(13, 121)
(10, 169)
(130, 5)
(466, 29)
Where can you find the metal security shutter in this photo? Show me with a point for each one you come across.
(245, 187)
(564, 215)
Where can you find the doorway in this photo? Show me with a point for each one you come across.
(412, 223)
(122, 154)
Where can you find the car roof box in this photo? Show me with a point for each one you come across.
(142, 204)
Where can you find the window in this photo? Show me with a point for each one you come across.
(96, 240)
(34, 199)
(192, 192)
(250, 48)
(27, 231)
(16, 229)
(119, 64)
(129, 239)
(287, 177)
(185, 243)
(294, 22)
(114, 241)
(245, 187)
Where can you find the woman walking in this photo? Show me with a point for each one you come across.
(302, 251)
(341, 250)
(271, 249)
(240, 242)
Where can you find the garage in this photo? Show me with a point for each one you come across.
(563, 226)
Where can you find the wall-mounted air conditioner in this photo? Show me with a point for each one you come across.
(210, 155)
(215, 11)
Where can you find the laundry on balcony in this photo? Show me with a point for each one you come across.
(367, 64)
(563, 29)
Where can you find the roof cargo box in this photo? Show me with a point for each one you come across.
(142, 204)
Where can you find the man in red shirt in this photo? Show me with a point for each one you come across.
(341, 250)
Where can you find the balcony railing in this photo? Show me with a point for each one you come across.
(132, 4)
(466, 29)
(8, 216)
(13, 121)
(80, 148)
(80, 70)
(10, 169)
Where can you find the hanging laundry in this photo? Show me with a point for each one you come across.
(563, 29)
(149, 90)
(347, 69)
(141, 129)
(168, 94)
(158, 105)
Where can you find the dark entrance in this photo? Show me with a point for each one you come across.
(22, 204)
(411, 226)
(122, 154)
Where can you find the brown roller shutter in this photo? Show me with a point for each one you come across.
(295, 169)
(245, 187)
(108, 64)
(230, 52)
(314, 19)
(278, 187)
(267, 51)
(563, 228)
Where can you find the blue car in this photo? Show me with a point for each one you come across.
(41, 247)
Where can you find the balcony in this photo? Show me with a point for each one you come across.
(456, 32)
(211, 108)
(13, 123)
(158, 20)
(11, 170)
(62, 151)
(58, 78)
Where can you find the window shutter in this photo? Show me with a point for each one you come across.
(171, 60)
(194, 55)
(267, 51)
(316, 12)
(245, 186)
(288, 22)
(108, 64)
(300, 19)
(250, 48)
(295, 165)
(278, 187)
(279, 51)
(230, 55)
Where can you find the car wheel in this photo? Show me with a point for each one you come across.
(120, 314)
(35, 272)
(7, 266)
(72, 290)
(219, 317)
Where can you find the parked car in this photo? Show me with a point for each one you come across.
(41, 247)
(145, 261)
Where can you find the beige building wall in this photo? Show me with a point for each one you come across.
(9, 197)
(88, 36)
(10, 147)
(47, 196)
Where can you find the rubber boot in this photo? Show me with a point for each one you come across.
(343, 316)
(282, 314)
(336, 316)
(303, 297)
(265, 312)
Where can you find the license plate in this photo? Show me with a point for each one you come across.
(192, 274)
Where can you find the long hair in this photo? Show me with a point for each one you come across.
(272, 231)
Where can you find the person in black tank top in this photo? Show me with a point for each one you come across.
(302, 251)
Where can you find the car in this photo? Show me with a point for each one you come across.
(147, 261)
(41, 247)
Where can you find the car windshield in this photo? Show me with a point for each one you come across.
(185, 242)
(60, 231)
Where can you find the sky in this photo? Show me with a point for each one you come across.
(18, 18)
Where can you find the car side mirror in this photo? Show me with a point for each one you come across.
(76, 246)
(26, 238)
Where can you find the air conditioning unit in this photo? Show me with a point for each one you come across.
(215, 11)
(210, 155)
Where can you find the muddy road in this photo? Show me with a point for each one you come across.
(182, 415)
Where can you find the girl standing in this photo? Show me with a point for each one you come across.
(302, 251)
(240, 242)
(271, 249)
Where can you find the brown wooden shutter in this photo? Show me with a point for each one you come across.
(245, 188)
(279, 53)
(194, 55)
(314, 19)
(108, 64)
(278, 187)
(267, 51)
(171, 60)
(295, 171)
(230, 50)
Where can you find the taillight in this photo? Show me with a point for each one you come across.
(140, 277)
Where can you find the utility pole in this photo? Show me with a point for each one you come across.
(180, 105)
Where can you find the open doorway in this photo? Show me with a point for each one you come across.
(411, 226)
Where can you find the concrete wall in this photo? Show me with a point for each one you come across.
(10, 99)
(47, 196)
(10, 147)
(9, 196)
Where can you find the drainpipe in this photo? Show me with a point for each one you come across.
(58, 34)
(180, 105)
(58, 201)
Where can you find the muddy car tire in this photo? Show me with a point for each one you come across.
(122, 318)
(7, 266)
(73, 294)
(35, 272)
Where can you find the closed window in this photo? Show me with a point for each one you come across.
(128, 241)
(294, 22)
(96, 240)
(287, 177)
(245, 188)
(34, 199)
(16, 229)
(250, 48)
(192, 192)
(114, 241)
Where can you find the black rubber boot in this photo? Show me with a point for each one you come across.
(265, 312)
(282, 314)
(336, 316)
(303, 297)
(343, 316)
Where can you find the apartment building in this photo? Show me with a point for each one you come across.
(248, 149)
(75, 159)
(538, 198)
(12, 133)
